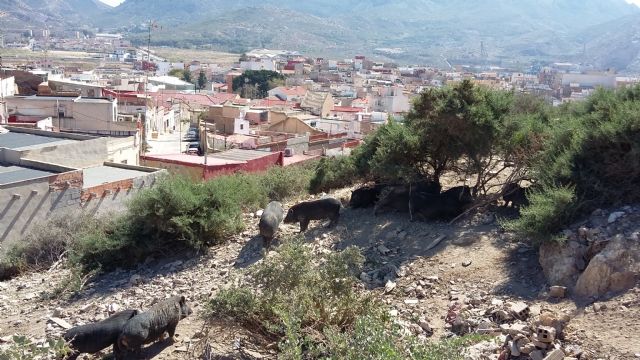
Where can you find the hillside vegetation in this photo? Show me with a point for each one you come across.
(579, 156)
(310, 304)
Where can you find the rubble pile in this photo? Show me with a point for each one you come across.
(523, 332)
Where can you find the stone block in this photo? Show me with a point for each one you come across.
(520, 310)
(546, 334)
(556, 354)
(536, 355)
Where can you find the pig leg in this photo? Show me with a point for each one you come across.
(304, 224)
(334, 221)
(172, 331)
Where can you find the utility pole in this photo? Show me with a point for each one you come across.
(206, 145)
(143, 145)
(2, 106)
(46, 47)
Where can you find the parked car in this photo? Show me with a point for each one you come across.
(193, 148)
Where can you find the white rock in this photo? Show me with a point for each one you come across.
(615, 216)
(259, 213)
(389, 286)
(113, 308)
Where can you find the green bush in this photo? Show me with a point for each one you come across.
(549, 209)
(179, 214)
(310, 305)
(291, 298)
(22, 348)
(589, 158)
(281, 183)
(333, 173)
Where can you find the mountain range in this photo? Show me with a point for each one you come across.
(604, 32)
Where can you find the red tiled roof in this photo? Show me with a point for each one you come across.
(274, 102)
(191, 98)
(295, 90)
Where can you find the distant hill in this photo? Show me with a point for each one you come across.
(53, 13)
(422, 30)
(614, 45)
(417, 30)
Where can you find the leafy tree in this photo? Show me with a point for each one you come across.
(176, 72)
(186, 75)
(262, 80)
(202, 80)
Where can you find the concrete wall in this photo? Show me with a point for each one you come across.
(29, 203)
(113, 197)
(299, 144)
(194, 172)
(80, 154)
(88, 151)
(123, 150)
(199, 172)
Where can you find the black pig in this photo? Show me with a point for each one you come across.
(150, 325)
(91, 338)
(270, 221)
(327, 208)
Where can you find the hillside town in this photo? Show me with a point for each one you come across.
(89, 138)
(143, 117)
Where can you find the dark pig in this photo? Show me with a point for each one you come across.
(365, 197)
(462, 193)
(396, 198)
(150, 325)
(515, 195)
(327, 208)
(426, 187)
(91, 338)
(443, 206)
(270, 221)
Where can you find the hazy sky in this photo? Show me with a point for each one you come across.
(116, 2)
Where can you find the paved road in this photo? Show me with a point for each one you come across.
(168, 143)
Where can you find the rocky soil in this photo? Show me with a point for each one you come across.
(436, 279)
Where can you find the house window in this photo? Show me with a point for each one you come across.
(241, 126)
(313, 124)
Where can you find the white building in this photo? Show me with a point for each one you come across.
(390, 100)
(7, 88)
(77, 114)
(607, 81)
(170, 83)
(258, 64)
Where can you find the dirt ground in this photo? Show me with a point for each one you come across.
(475, 259)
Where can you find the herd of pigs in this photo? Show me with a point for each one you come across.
(423, 201)
(127, 331)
